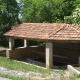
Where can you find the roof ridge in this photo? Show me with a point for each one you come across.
(57, 31)
(76, 28)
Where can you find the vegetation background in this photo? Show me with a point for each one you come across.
(13, 13)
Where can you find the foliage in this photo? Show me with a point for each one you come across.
(74, 18)
(46, 10)
(9, 11)
(36, 43)
(75, 77)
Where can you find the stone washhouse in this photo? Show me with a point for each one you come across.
(60, 39)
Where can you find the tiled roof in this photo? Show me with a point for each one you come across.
(45, 31)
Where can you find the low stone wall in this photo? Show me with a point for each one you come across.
(73, 71)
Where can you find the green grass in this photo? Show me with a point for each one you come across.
(75, 77)
(14, 65)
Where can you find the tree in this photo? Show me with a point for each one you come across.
(46, 10)
(9, 11)
(74, 18)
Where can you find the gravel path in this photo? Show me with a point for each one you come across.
(4, 78)
(33, 75)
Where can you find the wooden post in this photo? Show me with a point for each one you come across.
(11, 43)
(49, 55)
(26, 43)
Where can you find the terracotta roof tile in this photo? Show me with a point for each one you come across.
(45, 31)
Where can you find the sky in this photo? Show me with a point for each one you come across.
(19, 13)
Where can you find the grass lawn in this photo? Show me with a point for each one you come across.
(14, 65)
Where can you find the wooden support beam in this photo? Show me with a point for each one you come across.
(49, 55)
(26, 43)
(11, 43)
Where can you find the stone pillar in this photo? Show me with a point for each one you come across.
(8, 55)
(11, 47)
(26, 43)
(11, 43)
(49, 55)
